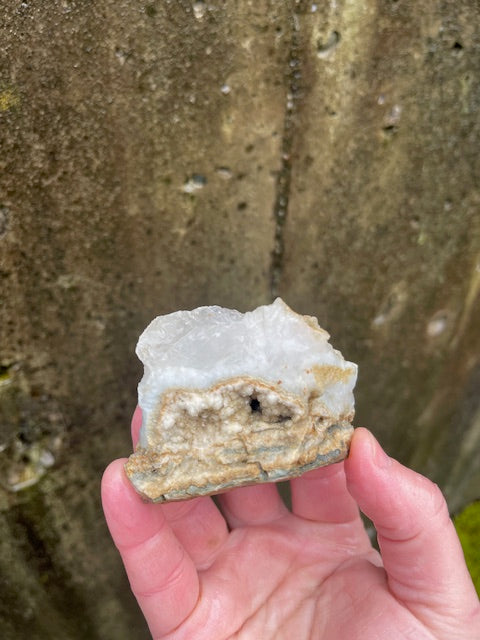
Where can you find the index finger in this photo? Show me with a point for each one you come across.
(161, 573)
(197, 524)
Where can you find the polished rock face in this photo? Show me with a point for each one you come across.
(230, 399)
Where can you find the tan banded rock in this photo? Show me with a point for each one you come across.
(230, 399)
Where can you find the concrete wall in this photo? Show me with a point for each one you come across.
(165, 154)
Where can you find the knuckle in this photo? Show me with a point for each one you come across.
(437, 505)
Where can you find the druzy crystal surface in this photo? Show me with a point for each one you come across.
(230, 399)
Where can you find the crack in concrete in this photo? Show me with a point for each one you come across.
(283, 183)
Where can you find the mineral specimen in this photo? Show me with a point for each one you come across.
(230, 399)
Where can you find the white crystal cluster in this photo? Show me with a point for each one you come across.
(197, 349)
(232, 398)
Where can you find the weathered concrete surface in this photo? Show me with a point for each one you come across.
(111, 113)
(161, 155)
(385, 166)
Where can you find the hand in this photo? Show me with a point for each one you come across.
(256, 571)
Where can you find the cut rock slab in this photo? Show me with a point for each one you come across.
(231, 399)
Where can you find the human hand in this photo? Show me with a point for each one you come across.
(254, 570)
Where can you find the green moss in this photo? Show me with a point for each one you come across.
(467, 524)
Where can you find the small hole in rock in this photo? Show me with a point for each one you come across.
(150, 10)
(324, 47)
(4, 370)
(255, 405)
(390, 129)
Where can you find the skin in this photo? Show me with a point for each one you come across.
(253, 569)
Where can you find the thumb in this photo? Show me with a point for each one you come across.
(420, 549)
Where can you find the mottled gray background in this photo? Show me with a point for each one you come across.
(166, 154)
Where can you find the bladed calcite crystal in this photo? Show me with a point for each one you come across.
(230, 399)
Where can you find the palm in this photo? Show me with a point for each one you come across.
(299, 579)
